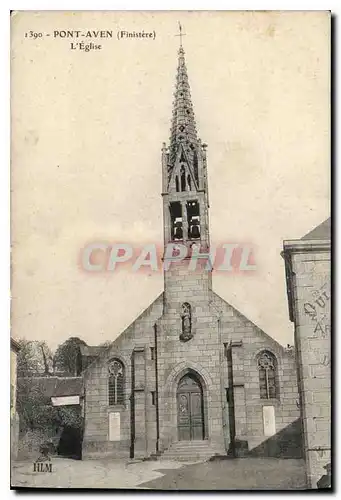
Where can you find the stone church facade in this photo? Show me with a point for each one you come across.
(191, 376)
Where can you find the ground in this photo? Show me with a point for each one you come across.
(247, 473)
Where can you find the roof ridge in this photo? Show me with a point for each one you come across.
(320, 232)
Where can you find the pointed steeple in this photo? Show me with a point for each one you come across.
(184, 170)
(183, 130)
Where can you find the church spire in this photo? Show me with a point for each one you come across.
(183, 129)
(184, 175)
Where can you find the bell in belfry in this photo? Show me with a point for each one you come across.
(178, 233)
(195, 229)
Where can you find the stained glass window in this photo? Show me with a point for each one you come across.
(116, 382)
(267, 366)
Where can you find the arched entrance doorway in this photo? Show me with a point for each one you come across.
(190, 407)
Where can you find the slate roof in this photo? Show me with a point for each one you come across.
(89, 350)
(69, 386)
(55, 386)
(14, 345)
(321, 232)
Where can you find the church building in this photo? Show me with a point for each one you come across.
(191, 377)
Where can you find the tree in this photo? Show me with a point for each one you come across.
(106, 343)
(33, 406)
(36, 411)
(34, 358)
(68, 356)
(70, 416)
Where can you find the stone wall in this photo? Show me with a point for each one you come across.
(214, 323)
(311, 298)
(13, 412)
(138, 336)
(14, 435)
(201, 354)
(248, 341)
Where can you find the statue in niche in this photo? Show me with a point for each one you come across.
(186, 321)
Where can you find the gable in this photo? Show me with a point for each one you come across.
(237, 325)
(181, 158)
(139, 332)
(321, 232)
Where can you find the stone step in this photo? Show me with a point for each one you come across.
(189, 452)
(191, 444)
(201, 447)
(186, 455)
(192, 447)
(192, 451)
(189, 458)
(202, 442)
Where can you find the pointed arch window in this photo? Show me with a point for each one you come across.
(175, 209)
(195, 164)
(116, 382)
(267, 367)
(193, 219)
(183, 178)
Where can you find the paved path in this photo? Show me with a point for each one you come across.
(237, 474)
(247, 473)
(67, 473)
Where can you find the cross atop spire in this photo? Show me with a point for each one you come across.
(181, 34)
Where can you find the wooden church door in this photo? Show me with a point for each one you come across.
(190, 409)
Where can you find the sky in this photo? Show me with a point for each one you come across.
(87, 132)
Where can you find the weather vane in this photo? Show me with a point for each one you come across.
(181, 34)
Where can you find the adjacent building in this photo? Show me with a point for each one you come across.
(15, 347)
(51, 415)
(307, 263)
